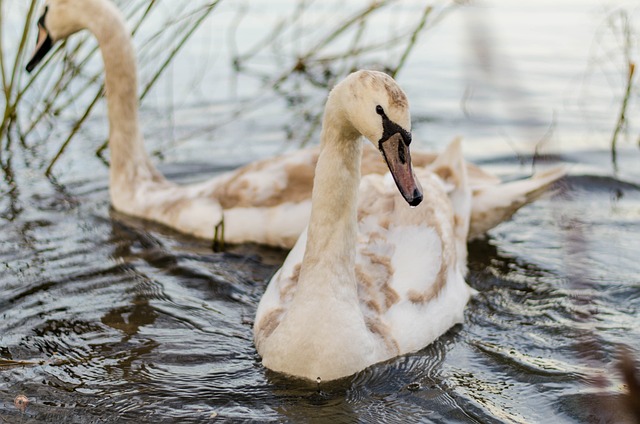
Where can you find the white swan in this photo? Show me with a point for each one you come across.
(371, 278)
(265, 202)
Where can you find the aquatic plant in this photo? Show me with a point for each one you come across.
(322, 53)
(70, 92)
(10, 71)
(77, 82)
(621, 23)
(614, 58)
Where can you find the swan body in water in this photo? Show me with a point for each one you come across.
(262, 202)
(265, 202)
(370, 278)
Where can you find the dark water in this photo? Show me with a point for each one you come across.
(105, 318)
(111, 319)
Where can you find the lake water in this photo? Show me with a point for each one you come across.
(105, 318)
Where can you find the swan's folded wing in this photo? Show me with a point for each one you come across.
(279, 292)
(287, 178)
(410, 284)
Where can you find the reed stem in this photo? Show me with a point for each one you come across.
(622, 116)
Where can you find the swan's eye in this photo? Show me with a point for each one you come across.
(379, 110)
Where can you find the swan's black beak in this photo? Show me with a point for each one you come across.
(395, 150)
(43, 44)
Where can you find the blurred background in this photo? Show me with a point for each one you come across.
(104, 317)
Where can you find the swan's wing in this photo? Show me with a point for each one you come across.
(279, 292)
(478, 177)
(372, 163)
(267, 201)
(407, 263)
(492, 201)
(497, 203)
(410, 262)
(270, 182)
(451, 168)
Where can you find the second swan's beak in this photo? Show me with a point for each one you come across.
(398, 157)
(43, 45)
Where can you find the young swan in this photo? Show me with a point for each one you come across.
(265, 202)
(371, 278)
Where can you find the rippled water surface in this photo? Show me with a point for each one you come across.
(106, 318)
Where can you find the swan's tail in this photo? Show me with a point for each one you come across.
(495, 203)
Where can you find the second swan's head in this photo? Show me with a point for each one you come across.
(375, 105)
(60, 19)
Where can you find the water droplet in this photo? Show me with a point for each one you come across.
(318, 380)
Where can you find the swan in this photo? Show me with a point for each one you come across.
(370, 278)
(266, 202)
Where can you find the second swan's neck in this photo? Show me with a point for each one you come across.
(127, 154)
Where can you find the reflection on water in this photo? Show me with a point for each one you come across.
(106, 318)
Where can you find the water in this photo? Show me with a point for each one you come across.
(106, 318)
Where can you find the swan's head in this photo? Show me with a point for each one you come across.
(59, 19)
(376, 107)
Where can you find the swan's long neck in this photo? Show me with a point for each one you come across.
(323, 333)
(129, 160)
(331, 237)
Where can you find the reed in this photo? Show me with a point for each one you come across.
(76, 84)
(56, 93)
(620, 24)
(320, 57)
(9, 71)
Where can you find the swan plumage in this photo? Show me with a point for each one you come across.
(267, 201)
(372, 280)
(261, 202)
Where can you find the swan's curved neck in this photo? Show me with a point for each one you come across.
(127, 153)
(331, 237)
